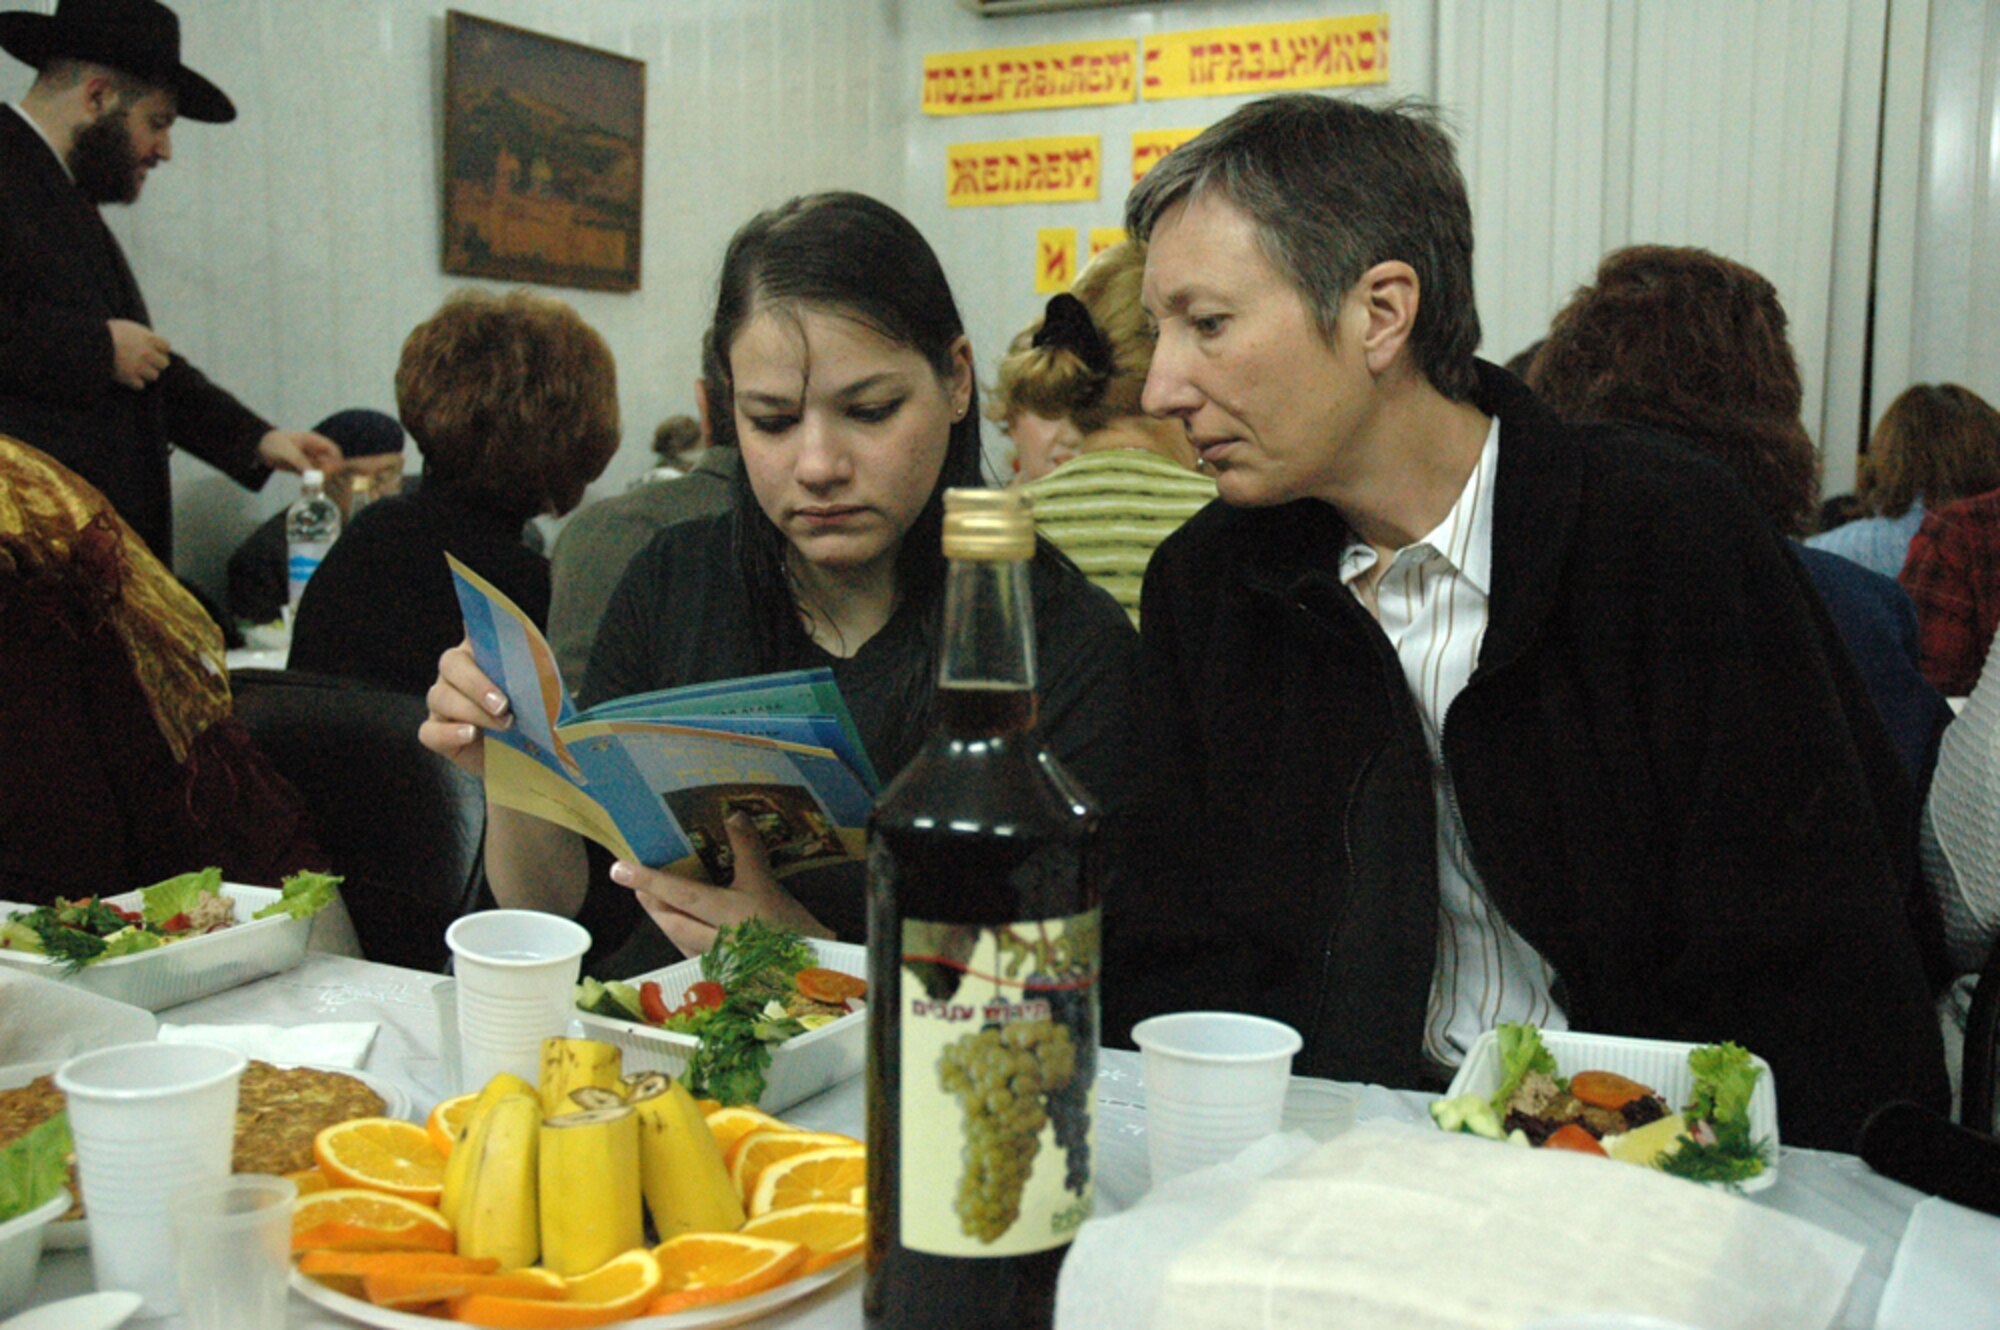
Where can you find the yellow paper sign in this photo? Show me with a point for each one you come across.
(1055, 259)
(1104, 237)
(1031, 78)
(1267, 57)
(1054, 170)
(1149, 145)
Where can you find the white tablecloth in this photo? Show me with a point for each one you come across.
(1837, 1192)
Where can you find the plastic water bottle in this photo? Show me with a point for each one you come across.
(311, 526)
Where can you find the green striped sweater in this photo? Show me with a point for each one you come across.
(1108, 510)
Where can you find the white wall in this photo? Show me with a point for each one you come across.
(290, 252)
(1944, 323)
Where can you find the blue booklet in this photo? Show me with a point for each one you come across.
(652, 777)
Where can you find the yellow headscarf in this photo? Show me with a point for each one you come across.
(55, 527)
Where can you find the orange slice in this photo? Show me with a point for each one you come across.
(355, 1220)
(395, 1263)
(618, 1289)
(447, 1121)
(831, 1173)
(309, 1180)
(700, 1268)
(730, 1125)
(830, 1231)
(421, 1289)
(382, 1154)
(751, 1153)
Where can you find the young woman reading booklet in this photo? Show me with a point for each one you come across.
(853, 390)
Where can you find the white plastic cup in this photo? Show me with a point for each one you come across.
(232, 1251)
(147, 1120)
(517, 972)
(1215, 1082)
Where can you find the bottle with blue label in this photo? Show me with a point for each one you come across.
(311, 526)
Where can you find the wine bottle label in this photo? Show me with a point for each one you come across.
(998, 1084)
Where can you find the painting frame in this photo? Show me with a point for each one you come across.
(544, 158)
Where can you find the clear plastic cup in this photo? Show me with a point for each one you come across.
(232, 1251)
(147, 1120)
(517, 972)
(1215, 1082)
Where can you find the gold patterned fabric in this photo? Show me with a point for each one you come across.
(56, 528)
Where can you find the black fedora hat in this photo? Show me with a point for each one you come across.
(140, 37)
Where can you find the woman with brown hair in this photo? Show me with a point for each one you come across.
(1695, 344)
(513, 402)
(1936, 444)
(1108, 482)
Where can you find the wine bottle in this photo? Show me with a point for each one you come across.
(983, 957)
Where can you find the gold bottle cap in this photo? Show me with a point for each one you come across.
(987, 524)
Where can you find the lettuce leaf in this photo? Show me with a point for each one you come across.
(1521, 1052)
(17, 936)
(33, 1167)
(177, 895)
(129, 941)
(305, 895)
(1723, 1081)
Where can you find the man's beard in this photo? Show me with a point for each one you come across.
(104, 162)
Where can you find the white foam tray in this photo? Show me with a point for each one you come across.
(1659, 1063)
(183, 971)
(800, 1067)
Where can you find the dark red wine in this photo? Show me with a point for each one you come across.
(983, 963)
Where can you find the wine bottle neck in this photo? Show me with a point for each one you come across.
(989, 627)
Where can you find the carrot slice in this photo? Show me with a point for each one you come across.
(1606, 1089)
(394, 1263)
(831, 986)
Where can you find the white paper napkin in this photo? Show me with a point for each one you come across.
(1407, 1228)
(340, 1044)
(1945, 1272)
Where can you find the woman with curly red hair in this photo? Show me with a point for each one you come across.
(1695, 344)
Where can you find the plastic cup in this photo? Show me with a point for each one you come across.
(1215, 1082)
(517, 972)
(147, 1120)
(232, 1251)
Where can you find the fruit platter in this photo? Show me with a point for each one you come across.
(592, 1198)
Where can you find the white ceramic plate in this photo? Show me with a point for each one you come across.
(698, 1318)
(69, 1235)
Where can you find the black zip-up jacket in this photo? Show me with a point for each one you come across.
(1671, 781)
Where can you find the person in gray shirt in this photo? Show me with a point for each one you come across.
(594, 548)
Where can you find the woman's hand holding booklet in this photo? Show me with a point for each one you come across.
(655, 778)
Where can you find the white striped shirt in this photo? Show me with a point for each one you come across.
(1432, 604)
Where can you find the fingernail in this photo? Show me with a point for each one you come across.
(621, 873)
(496, 703)
(467, 733)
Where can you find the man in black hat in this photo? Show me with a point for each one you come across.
(83, 374)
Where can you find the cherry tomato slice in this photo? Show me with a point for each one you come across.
(1573, 1137)
(1606, 1089)
(652, 1005)
(829, 986)
(702, 993)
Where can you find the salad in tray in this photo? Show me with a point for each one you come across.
(90, 929)
(1707, 1139)
(760, 985)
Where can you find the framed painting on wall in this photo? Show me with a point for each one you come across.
(544, 151)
